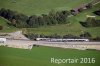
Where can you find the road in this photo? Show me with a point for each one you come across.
(72, 45)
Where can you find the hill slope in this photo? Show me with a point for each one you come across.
(6, 28)
(41, 56)
(74, 27)
(30, 7)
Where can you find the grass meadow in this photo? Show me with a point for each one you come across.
(31, 7)
(41, 56)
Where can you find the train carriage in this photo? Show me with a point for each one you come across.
(61, 40)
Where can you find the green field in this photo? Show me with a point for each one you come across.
(74, 27)
(30, 7)
(40, 56)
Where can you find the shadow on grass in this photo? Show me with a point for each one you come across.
(83, 24)
(97, 12)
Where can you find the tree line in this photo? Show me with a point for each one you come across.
(23, 21)
(67, 36)
(84, 35)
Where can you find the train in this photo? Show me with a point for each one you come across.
(62, 40)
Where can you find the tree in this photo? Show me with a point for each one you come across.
(46, 19)
(3, 12)
(91, 22)
(9, 14)
(85, 35)
(70, 36)
(61, 17)
(20, 20)
(33, 21)
(52, 17)
(41, 21)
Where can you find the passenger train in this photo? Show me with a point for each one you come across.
(62, 40)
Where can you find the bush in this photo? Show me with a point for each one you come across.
(1, 27)
(97, 39)
(85, 35)
(91, 22)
